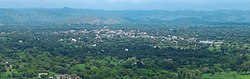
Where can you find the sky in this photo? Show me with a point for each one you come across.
(131, 4)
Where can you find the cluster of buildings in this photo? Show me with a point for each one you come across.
(108, 33)
(63, 76)
(211, 42)
(105, 33)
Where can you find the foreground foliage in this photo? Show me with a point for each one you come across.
(89, 52)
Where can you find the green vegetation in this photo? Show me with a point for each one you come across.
(125, 51)
(226, 75)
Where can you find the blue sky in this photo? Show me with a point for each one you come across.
(131, 4)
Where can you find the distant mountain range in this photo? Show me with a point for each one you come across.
(80, 16)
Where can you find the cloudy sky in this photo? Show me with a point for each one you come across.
(131, 4)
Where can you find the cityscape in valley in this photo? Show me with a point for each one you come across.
(74, 43)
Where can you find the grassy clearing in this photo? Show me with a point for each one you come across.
(7, 73)
(225, 75)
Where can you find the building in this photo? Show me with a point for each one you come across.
(206, 42)
(8, 65)
(64, 76)
(211, 43)
(40, 74)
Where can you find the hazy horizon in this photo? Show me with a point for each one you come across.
(172, 5)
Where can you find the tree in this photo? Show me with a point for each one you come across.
(189, 73)
(149, 62)
(130, 62)
(2, 68)
(245, 67)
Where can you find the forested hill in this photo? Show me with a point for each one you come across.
(70, 15)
